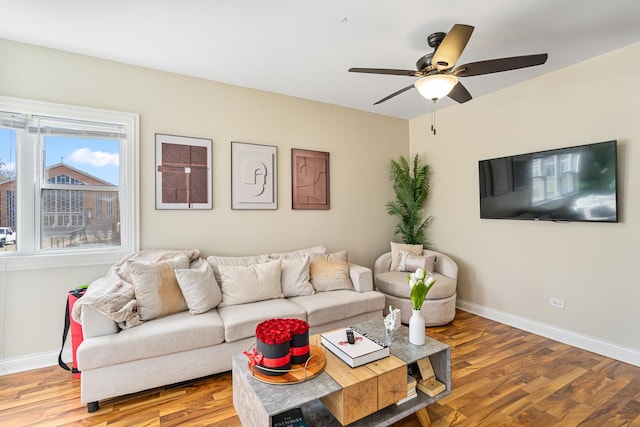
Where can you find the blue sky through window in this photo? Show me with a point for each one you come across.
(97, 157)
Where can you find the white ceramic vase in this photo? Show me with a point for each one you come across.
(416, 328)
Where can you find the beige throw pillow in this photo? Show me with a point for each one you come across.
(199, 287)
(156, 287)
(258, 282)
(295, 278)
(330, 272)
(395, 253)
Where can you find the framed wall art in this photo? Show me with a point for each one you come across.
(309, 179)
(183, 172)
(254, 183)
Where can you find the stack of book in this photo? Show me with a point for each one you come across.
(411, 390)
(428, 384)
(364, 350)
(292, 418)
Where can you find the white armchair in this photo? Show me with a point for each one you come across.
(439, 307)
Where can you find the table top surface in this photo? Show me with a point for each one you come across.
(275, 401)
(400, 346)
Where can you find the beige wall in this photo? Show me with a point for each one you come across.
(360, 145)
(511, 268)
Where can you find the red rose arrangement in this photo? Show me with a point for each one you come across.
(274, 331)
(278, 331)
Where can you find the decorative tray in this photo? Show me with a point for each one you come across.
(298, 373)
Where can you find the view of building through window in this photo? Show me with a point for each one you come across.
(80, 217)
(79, 192)
(8, 218)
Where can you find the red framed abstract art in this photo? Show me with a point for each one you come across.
(309, 179)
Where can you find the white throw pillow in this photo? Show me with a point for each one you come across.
(300, 253)
(295, 277)
(395, 253)
(258, 282)
(156, 287)
(243, 261)
(199, 287)
(411, 263)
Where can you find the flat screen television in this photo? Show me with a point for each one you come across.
(565, 184)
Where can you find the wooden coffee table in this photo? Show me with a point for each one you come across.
(257, 402)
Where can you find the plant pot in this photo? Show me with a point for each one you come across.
(416, 328)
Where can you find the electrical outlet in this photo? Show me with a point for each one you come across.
(557, 303)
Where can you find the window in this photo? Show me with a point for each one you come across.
(554, 177)
(84, 201)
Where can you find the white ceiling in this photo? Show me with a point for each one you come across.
(304, 48)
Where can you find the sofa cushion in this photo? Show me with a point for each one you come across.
(170, 334)
(326, 307)
(396, 283)
(395, 252)
(240, 321)
(330, 272)
(156, 287)
(199, 287)
(257, 282)
(244, 261)
(295, 279)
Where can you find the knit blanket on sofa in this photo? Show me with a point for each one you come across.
(113, 295)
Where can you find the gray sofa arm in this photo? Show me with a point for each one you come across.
(444, 264)
(361, 278)
(383, 263)
(95, 324)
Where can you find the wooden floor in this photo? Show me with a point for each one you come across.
(501, 377)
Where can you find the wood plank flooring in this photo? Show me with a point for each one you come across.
(501, 377)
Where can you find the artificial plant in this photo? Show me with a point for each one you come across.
(411, 186)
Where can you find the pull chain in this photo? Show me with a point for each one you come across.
(433, 117)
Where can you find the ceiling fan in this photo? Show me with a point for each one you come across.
(438, 78)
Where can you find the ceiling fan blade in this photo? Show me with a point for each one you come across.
(499, 65)
(386, 98)
(409, 73)
(451, 47)
(460, 94)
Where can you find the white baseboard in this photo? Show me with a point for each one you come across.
(584, 342)
(33, 361)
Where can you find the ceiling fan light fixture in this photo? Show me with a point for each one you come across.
(436, 86)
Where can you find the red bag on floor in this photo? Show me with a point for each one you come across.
(76, 331)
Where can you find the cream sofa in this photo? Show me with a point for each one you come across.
(439, 307)
(183, 346)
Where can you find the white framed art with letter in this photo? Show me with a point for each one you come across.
(254, 183)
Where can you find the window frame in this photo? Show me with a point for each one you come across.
(29, 159)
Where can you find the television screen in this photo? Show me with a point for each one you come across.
(566, 184)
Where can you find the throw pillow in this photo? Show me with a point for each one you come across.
(300, 253)
(295, 277)
(243, 261)
(411, 263)
(258, 282)
(395, 253)
(330, 272)
(199, 287)
(157, 291)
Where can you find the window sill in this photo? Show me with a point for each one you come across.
(60, 260)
